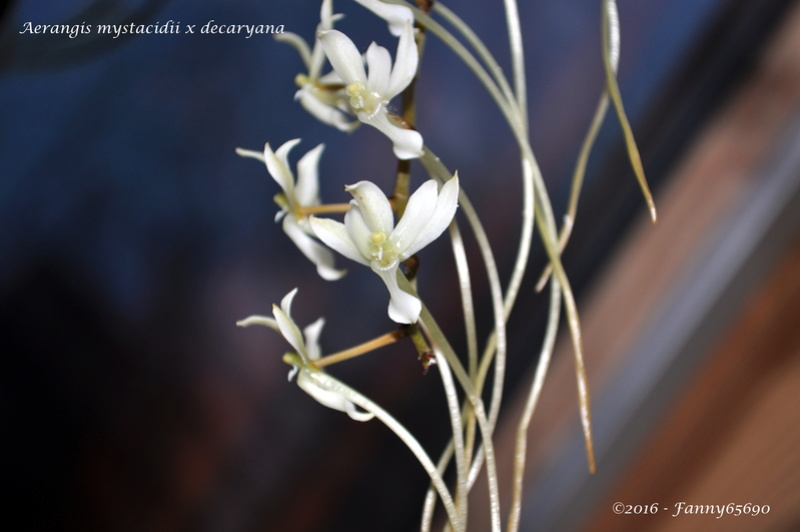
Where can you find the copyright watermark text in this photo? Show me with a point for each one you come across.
(684, 508)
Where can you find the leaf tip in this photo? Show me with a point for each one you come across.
(653, 214)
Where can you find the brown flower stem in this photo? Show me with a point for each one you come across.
(426, 356)
(361, 349)
(330, 208)
(401, 187)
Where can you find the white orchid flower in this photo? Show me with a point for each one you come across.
(306, 346)
(322, 96)
(369, 236)
(369, 96)
(395, 15)
(296, 195)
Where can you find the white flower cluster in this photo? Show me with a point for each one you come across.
(357, 89)
(350, 89)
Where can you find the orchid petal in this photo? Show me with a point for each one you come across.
(327, 114)
(379, 63)
(286, 302)
(406, 62)
(407, 143)
(317, 56)
(314, 251)
(403, 307)
(287, 326)
(415, 217)
(299, 44)
(326, 16)
(373, 205)
(355, 414)
(250, 153)
(278, 165)
(335, 235)
(311, 333)
(439, 217)
(395, 15)
(329, 398)
(358, 230)
(306, 189)
(259, 320)
(343, 55)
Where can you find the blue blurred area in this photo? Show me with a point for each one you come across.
(117, 160)
(133, 238)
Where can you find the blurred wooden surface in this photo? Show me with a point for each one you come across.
(734, 434)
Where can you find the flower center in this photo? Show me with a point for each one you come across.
(378, 237)
(363, 100)
(382, 250)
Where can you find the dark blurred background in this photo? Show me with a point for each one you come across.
(132, 238)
